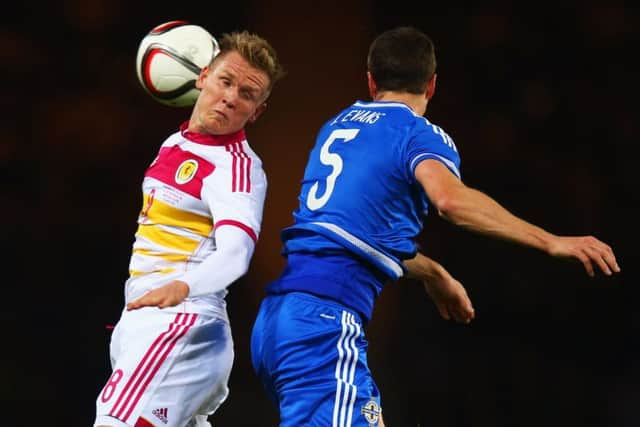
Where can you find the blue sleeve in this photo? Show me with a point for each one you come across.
(431, 142)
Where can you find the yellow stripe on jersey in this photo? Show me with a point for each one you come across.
(162, 213)
(171, 257)
(163, 238)
(134, 273)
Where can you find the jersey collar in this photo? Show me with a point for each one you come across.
(206, 139)
(374, 104)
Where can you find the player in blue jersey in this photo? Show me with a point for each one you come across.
(376, 168)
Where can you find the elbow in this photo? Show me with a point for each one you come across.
(242, 267)
(447, 207)
(235, 272)
(453, 210)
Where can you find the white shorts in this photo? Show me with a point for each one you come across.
(169, 369)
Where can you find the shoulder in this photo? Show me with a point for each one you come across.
(246, 160)
(425, 130)
(238, 170)
(175, 138)
(246, 148)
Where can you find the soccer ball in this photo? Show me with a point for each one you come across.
(169, 61)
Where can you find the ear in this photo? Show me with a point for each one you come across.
(431, 87)
(202, 77)
(258, 112)
(373, 90)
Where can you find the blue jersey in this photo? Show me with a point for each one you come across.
(360, 201)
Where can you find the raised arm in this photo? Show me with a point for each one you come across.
(476, 211)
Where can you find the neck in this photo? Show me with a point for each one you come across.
(417, 102)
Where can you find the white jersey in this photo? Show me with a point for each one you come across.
(196, 184)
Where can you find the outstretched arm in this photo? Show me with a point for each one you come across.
(447, 293)
(476, 211)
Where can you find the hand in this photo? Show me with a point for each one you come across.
(173, 293)
(447, 293)
(450, 298)
(588, 250)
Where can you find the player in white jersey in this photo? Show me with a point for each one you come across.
(203, 195)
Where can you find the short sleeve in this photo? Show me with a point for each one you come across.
(431, 142)
(235, 202)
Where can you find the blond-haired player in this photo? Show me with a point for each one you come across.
(172, 350)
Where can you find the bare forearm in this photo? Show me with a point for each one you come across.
(475, 211)
(447, 293)
(423, 268)
(472, 209)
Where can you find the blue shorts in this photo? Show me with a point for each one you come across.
(310, 354)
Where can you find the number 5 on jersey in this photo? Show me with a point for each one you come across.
(330, 159)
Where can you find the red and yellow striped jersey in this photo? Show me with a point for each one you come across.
(196, 184)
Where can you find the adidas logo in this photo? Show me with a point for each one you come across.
(161, 414)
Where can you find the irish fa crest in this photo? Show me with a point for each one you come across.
(371, 412)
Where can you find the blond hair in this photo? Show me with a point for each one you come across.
(256, 51)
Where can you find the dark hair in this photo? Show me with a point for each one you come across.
(402, 59)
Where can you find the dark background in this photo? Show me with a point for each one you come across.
(541, 102)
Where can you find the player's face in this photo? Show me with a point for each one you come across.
(232, 93)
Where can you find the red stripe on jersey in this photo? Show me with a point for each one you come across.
(230, 150)
(240, 168)
(240, 225)
(248, 174)
(180, 169)
(246, 169)
(241, 155)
